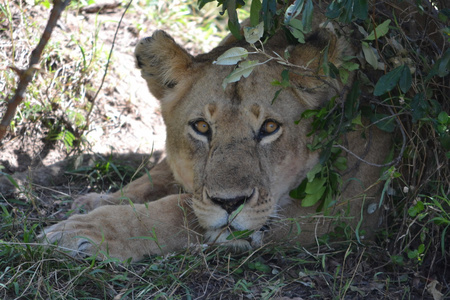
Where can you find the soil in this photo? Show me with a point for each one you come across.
(125, 121)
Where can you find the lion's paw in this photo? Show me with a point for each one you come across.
(91, 201)
(74, 241)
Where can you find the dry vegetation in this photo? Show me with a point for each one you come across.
(408, 260)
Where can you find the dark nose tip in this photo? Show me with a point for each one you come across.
(230, 205)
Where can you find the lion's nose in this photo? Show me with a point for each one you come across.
(230, 205)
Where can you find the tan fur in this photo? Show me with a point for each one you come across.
(234, 167)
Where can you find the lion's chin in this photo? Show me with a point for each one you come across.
(222, 237)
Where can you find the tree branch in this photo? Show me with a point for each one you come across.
(25, 76)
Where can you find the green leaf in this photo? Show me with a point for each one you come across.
(47, 4)
(405, 79)
(421, 248)
(312, 173)
(369, 55)
(309, 113)
(293, 11)
(235, 28)
(331, 70)
(315, 186)
(387, 82)
(243, 70)
(351, 104)
(277, 93)
(346, 11)
(387, 124)
(285, 78)
(296, 28)
(333, 10)
(361, 9)
(340, 163)
(236, 212)
(328, 68)
(232, 56)
(419, 107)
(413, 254)
(253, 34)
(344, 74)
(413, 211)
(11, 179)
(202, 3)
(255, 10)
(259, 266)
(299, 192)
(312, 199)
(350, 66)
(269, 12)
(357, 120)
(443, 118)
(397, 259)
(233, 22)
(325, 154)
(379, 31)
(445, 141)
(307, 16)
(441, 67)
(242, 234)
(444, 64)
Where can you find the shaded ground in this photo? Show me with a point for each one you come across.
(126, 121)
(125, 118)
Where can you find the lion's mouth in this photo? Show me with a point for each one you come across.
(239, 240)
(237, 221)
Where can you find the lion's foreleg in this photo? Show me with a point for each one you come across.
(158, 183)
(126, 231)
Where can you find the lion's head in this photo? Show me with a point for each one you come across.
(236, 148)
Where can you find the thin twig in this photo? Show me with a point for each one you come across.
(106, 67)
(25, 76)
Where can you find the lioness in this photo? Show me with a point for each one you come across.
(233, 156)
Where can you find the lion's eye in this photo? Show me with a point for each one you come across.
(268, 127)
(201, 127)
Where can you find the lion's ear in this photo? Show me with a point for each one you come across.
(320, 47)
(316, 44)
(163, 63)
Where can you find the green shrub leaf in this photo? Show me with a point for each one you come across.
(293, 11)
(244, 70)
(312, 199)
(369, 55)
(405, 79)
(315, 186)
(307, 16)
(232, 56)
(379, 31)
(253, 34)
(360, 9)
(383, 122)
(387, 82)
(255, 10)
(419, 107)
(296, 28)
